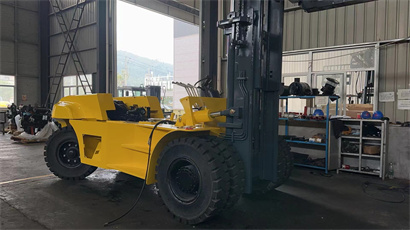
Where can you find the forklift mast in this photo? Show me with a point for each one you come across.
(255, 33)
(255, 30)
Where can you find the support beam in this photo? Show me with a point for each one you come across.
(112, 45)
(44, 8)
(209, 41)
(100, 85)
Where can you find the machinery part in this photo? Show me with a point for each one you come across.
(366, 115)
(377, 115)
(350, 147)
(190, 89)
(284, 90)
(122, 113)
(62, 156)
(299, 88)
(318, 5)
(12, 112)
(192, 179)
(206, 87)
(34, 118)
(329, 88)
(370, 130)
(236, 169)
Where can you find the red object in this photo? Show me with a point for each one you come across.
(345, 166)
(305, 111)
(359, 116)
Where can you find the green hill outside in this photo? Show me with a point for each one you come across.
(138, 67)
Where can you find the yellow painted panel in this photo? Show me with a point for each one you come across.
(123, 145)
(93, 106)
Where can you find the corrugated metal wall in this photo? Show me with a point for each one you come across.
(189, 14)
(85, 42)
(394, 74)
(370, 22)
(20, 49)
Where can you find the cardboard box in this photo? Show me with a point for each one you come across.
(353, 109)
(371, 149)
(332, 109)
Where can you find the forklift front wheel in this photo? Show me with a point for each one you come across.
(192, 179)
(62, 156)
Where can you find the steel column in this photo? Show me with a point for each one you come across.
(209, 41)
(271, 74)
(100, 85)
(112, 40)
(44, 9)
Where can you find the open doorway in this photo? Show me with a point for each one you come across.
(155, 50)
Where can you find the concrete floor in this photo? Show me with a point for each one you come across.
(308, 201)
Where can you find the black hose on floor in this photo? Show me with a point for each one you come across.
(146, 173)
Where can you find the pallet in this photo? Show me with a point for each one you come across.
(25, 141)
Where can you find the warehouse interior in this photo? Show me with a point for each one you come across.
(270, 114)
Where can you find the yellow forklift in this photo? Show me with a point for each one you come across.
(203, 161)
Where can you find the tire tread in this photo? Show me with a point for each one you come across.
(65, 130)
(219, 177)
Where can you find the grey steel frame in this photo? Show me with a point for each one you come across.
(327, 123)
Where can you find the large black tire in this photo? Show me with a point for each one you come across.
(62, 156)
(285, 164)
(236, 169)
(192, 179)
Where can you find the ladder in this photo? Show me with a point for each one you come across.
(67, 50)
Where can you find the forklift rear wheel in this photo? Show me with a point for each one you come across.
(192, 179)
(62, 156)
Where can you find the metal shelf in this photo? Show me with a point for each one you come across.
(351, 154)
(326, 121)
(310, 166)
(372, 138)
(306, 142)
(307, 97)
(299, 119)
(357, 171)
(363, 155)
(361, 159)
(350, 137)
(371, 156)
